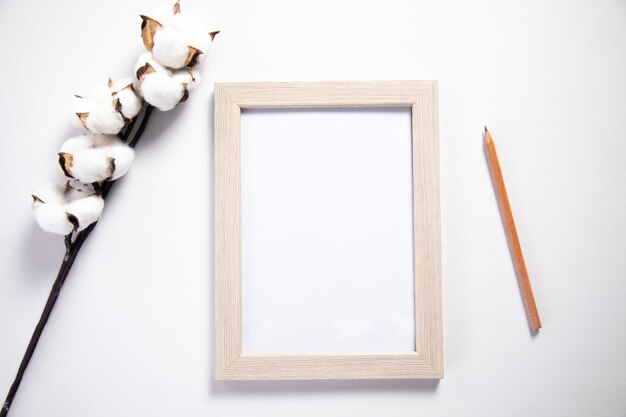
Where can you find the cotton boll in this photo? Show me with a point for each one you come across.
(107, 108)
(160, 86)
(86, 210)
(176, 39)
(47, 208)
(193, 32)
(90, 165)
(170, 48)
(189, 26)
(92, 158)
(123, 158)
(53, 219)
(103, 119)
(161, 90)
(62, 209)
(130, 104)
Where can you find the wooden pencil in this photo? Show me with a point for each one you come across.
(511, 233)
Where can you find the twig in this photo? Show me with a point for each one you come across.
(66, 265)
(71, 251)
(142, 126)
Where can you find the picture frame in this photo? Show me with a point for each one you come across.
(427, 359)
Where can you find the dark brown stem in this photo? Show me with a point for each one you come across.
(66, 265)
(142, 126)
(71, 251)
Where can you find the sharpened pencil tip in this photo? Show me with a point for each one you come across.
(487, 136)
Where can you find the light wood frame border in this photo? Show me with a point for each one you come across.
(427, 360)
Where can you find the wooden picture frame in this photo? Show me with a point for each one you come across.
(427, 359)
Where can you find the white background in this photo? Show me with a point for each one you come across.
(327, 231)
(132, 332)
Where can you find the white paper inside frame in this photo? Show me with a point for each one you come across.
(327, 231)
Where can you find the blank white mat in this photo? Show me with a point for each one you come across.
(327, 230)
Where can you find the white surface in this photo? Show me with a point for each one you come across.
(327, 231)
(132, 332)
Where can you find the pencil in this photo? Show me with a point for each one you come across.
(511, 233)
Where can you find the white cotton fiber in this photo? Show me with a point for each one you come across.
(161, 90)
(130, 104)
(77, 143)
(176, 37)
(121, 84)
(60, 208)
(175, 45)
(87, 210)
(78, 106)
(193, 32)
(91, 165)
(106, 108)
(162, 14)
(170, 48)
(104, 119)
(99, 93)
(124, 90)
(123, 157)
(94, 158)
(147, 58)
(53, 218)
(81, 105)
(49, 193)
